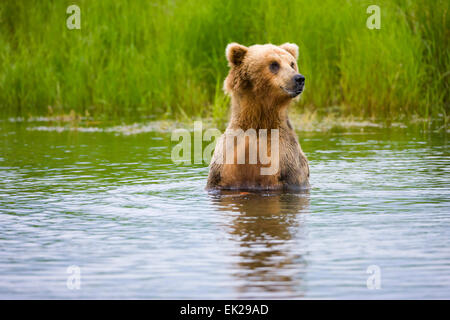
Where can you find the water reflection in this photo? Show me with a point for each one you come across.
(268, 231)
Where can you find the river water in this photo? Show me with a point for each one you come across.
(107, 215)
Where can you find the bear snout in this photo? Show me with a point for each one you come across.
(299, 80)
(298, 85)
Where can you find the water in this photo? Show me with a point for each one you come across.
(139, 226)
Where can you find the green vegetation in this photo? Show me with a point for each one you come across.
(136, 59)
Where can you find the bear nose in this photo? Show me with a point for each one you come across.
(299, 79)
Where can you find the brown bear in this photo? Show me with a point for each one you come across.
(262, 82)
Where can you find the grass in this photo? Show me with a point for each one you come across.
(165, 59)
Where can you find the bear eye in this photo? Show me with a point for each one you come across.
(293, 65)
(274, 67)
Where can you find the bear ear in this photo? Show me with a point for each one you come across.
(292, 48)
(235, 53)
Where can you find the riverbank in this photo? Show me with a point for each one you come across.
(302, 122)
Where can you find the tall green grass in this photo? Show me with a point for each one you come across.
(166, 58)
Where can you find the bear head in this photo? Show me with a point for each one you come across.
(267, 73)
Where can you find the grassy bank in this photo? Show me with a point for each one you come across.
(166, 58)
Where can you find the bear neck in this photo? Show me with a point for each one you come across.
(250, 113)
